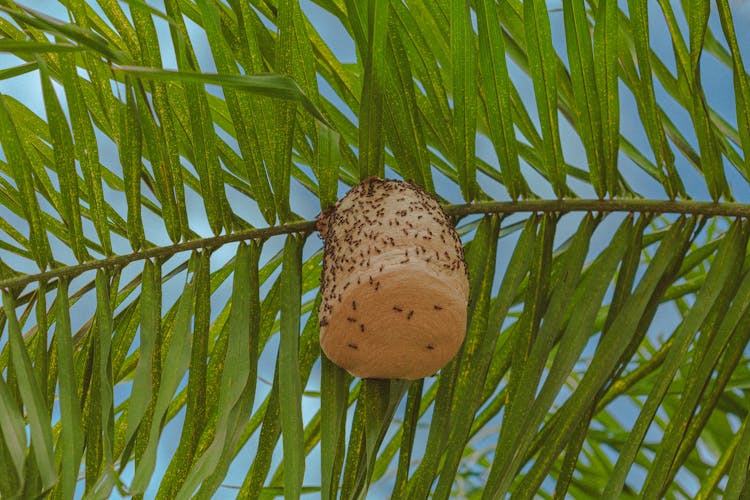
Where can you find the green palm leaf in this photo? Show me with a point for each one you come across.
(160, 285)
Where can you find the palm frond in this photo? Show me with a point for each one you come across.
(160, 286)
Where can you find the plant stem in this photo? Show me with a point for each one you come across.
(687, 207)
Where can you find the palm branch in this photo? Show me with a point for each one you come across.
(160, 282)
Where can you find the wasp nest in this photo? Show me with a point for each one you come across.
(395, 287)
